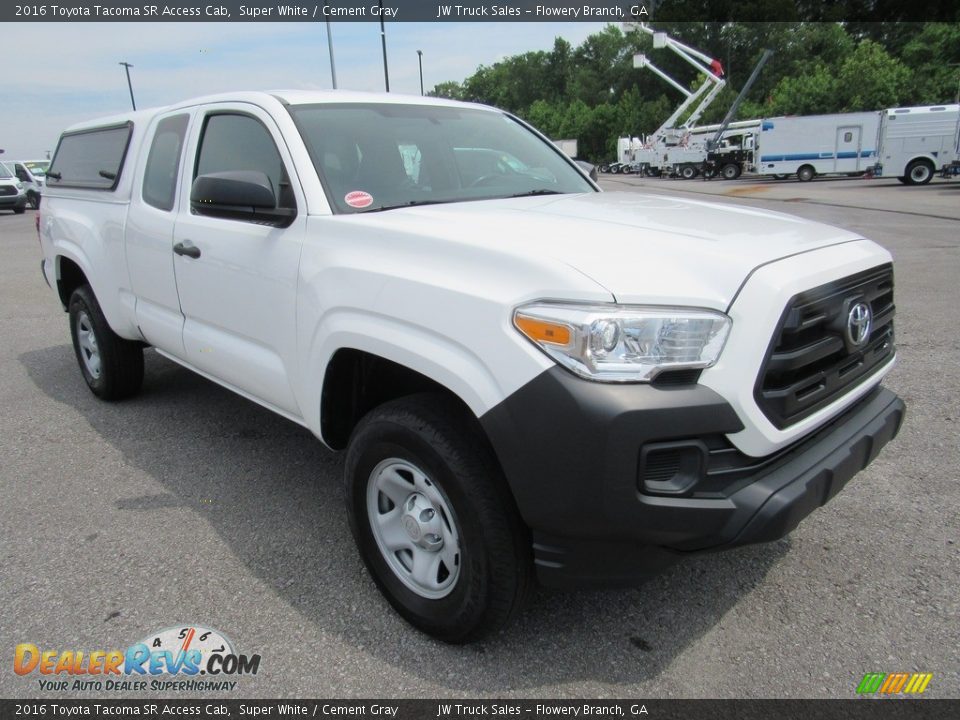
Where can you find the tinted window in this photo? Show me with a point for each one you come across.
(163, 163)
(240, 142)
(91, 158)
(374, 156)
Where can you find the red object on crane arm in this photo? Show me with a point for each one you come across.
(716, 68)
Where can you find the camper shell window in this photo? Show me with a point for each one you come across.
(91, 158)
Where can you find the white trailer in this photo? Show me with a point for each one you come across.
(811, 145)
(916, 142)
(567, 146)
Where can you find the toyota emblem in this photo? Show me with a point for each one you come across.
(859, 321)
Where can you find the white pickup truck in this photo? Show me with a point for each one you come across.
(533, 379)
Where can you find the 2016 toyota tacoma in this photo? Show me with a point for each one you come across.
(532, 379)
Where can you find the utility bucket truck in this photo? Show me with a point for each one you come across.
(649, 159)
(916, 142)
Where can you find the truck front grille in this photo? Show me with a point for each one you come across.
(8, 190)
(813, 357)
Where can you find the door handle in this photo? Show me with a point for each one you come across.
(189, 250)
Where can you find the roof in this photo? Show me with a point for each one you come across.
(289, 97)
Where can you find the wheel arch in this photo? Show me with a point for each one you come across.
(357, 381)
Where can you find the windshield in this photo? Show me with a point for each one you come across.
(38, 167)
(380, 156)
(5, 171)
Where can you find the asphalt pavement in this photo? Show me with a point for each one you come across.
(189, 504)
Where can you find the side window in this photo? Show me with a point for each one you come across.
(163, 162)
(240, 142)
(848, 137)
(91, 158)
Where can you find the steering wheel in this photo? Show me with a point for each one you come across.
(491, 179)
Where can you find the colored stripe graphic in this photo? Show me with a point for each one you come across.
(871, 683)
(894, 683)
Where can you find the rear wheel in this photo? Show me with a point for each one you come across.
(688, 172)
(112, 366)
(434, 521)
(919, 172)
(806, 173)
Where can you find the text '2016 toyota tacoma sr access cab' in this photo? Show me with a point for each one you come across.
(532, 379)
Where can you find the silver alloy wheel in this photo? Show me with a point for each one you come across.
(87, 340)
(414, 527)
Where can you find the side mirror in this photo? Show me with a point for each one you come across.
(239, 195)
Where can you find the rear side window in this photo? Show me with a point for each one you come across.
(91, 158)
(163, 162)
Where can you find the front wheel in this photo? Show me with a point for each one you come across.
(112, 366)
(434, 521)
(33, 200)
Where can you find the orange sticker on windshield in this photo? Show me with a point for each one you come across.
(358, 199)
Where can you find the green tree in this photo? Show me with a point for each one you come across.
(870, 79)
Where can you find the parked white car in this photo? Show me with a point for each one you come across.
(532, 379)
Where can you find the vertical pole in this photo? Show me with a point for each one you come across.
(383, 40)
(333, 67)
(127, 66)
(420, 61)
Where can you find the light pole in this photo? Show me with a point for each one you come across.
(383, 40)
(420, 61)
(127, 66)
(333, 67)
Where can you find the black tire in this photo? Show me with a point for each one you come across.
(20, 210)
(688, 172)
(780, 176)
(494, 557)
(806, 173)
(730, 171)
(919, 172)
(33, 200)
(120, 365)
(903, 180)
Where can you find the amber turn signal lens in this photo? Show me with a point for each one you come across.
(542, 331)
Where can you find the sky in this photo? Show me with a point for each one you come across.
(69, 72)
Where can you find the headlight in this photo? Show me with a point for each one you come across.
(624, 343)
(19, 185)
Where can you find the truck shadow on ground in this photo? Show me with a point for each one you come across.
(274, 494)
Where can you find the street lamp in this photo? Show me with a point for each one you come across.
(127, 66)
(333, 67)
(383, 40)
(420, 60)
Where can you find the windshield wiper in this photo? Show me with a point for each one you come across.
(532, 193)
(410, 203)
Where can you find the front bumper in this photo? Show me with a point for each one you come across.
(572, 452)
(8, 202)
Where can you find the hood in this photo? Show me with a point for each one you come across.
(641, 248)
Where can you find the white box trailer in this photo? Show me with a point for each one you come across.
(567, 146)
(811, 145)
(916, 142)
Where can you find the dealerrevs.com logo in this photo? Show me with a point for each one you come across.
(186, 657)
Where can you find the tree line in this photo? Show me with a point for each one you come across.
(593, 93)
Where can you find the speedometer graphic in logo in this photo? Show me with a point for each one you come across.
(182, 639)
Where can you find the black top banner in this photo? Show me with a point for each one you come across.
(472, 11)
